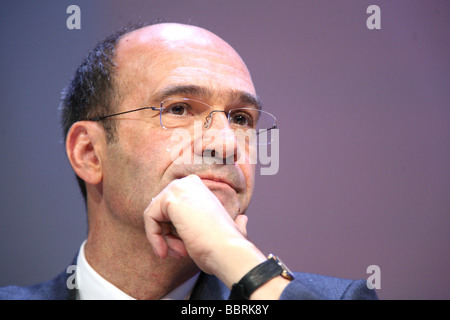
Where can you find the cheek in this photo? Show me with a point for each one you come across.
(123, 184)
(248, 166)
(132, 173)
(146, 159)
(249, 172)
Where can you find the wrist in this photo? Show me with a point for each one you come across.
(235, 259)
(265, 281)
(271, 290)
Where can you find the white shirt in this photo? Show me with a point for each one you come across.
(92, 286)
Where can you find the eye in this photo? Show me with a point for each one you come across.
(178, 109)
(242, 119)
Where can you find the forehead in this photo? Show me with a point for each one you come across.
(160, 57)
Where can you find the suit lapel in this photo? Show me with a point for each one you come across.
(209, 288)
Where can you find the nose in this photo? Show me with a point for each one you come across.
(218, 140)
(210, 116)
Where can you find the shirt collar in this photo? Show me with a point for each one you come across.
(92, 286)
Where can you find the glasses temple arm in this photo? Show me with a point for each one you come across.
(120, 113)
(273, 127)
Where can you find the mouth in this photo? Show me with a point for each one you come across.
(218, 183)
(216, 177)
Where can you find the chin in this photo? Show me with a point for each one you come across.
(229, 202)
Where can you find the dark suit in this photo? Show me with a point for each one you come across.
(305, 286)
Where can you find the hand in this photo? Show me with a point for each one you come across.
(187, 219)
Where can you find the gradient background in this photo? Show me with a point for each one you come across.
(365, 125)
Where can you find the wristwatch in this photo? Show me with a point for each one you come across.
(258, 276)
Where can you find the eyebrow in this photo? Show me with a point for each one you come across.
(243, 97)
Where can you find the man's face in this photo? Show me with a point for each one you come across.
(172, 61)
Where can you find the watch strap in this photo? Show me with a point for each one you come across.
(254, 279)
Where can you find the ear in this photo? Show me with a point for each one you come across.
(84, 147)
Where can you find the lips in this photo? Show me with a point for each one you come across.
(223, 175)
(214, 181)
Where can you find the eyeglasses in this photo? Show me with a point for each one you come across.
(247, 123)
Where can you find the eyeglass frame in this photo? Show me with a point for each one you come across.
(161, 108)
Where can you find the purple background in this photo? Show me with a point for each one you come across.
(365, 125)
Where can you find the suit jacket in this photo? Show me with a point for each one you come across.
(305, 286)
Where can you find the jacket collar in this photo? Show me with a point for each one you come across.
(208, 287)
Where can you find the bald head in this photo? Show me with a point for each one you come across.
(156, 57)
(174, 36)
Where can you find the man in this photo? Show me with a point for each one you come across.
(160, 228)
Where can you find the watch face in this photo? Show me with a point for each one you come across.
(287, 274)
